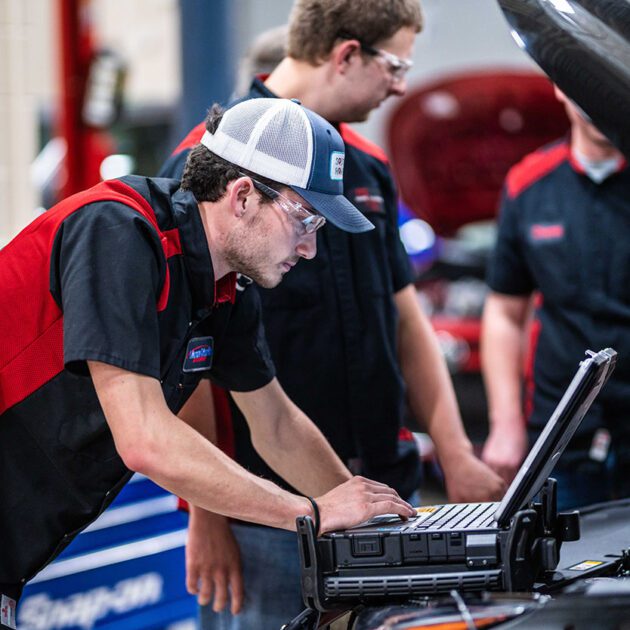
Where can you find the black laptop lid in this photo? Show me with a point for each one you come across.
(566, 418)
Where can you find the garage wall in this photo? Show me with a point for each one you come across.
(459, 34)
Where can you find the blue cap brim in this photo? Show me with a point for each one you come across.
(337, 209)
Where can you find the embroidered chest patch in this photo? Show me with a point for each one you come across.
(368, 199)
(199, 354)
(546, 232)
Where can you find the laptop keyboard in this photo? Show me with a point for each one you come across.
(456, 516)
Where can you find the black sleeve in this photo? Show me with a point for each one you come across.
(174, 166)
(508, 271)
(399, 260)
(243, 361)
(107, 270)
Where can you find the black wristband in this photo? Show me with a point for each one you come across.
(316, 518)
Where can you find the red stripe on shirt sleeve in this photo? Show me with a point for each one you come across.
(534, 167)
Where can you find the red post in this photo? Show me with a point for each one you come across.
(76, 51)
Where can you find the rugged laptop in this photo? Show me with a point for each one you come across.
(466, 546)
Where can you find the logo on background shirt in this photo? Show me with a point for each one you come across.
(199, 354)
(242, 282)
(368, 199)
(546, 232)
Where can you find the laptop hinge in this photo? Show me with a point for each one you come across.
(532, 542)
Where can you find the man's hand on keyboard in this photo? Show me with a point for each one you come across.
(358, 500)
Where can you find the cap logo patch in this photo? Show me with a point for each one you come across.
(336, 165)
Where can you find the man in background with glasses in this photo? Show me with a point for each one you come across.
(346, 333)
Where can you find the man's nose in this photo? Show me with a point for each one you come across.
(307, 245)
(398, 86)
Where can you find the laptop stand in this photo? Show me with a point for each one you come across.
(528, 548)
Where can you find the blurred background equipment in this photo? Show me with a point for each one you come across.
(91, 98)
(124, 572)
(154, 40)
(208, 58)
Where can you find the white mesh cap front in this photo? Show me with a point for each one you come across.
(270, 137)
(282, 141)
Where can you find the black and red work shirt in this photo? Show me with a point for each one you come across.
(120, 274)
(332, 322)
(568, 238)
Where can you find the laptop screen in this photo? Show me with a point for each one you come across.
(587, 382)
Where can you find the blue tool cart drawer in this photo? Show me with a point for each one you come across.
(125, 571)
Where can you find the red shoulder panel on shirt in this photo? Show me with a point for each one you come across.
(356, 140)
(192, 139)
(535, 166)
(31, 319)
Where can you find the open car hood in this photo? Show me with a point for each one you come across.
(584, 47)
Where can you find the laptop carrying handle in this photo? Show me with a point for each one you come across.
(311, 578)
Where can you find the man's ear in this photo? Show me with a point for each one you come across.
(240, 194)
(343, 54)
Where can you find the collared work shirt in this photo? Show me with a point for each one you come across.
(119, 274)
(568, 238)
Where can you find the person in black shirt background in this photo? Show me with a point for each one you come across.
(564, 235)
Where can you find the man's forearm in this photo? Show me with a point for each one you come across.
(437, 406)
(502, 358)
(430, 390)
(432, 398)
(306, 459)
(501, 353)
(156, 443)
(209, 479)
(151, 440)
(291, 444)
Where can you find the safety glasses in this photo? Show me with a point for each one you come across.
(306, 220)
(396, 66)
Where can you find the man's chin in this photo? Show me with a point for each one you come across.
(267, 281)
(270, 284)
(359, 117)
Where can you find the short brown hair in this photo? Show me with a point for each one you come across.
(315, 25)
(207, 175)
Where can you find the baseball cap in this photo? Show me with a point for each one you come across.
(286, 142)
